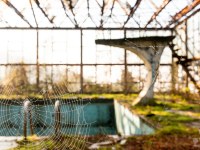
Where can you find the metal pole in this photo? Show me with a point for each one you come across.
(31, 122)
(25, 122)
(81, 69)
(37, 61)
(125, 69)
(57, 118)
(186, 48)
(27, 110)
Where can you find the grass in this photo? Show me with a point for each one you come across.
(70, 95)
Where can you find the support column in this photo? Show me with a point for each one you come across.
(149, 49)
(150, 54)
(174, 74)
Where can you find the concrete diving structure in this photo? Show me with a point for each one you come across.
(149, 49)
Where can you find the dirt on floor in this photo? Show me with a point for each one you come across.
(152, 142)
(167, 142)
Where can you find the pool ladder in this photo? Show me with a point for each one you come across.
(28, 116)
(57, 124)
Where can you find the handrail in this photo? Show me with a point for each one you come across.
(57, 125)
(27, 113)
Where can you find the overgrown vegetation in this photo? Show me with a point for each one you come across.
(21, 80)
(16, 82)
(53, 143)
(175, 130)
(177, 120)
(171, 114)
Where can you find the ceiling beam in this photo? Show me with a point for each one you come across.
(184, 12)
(123, 8)
(71, 7)
(42, 10)
(34, 16)
(132, 11)
(154, 5)
(111, 11)
(196, 11)
(9, 4)
(85, 28)
(102, 12)
(89, 15)
(112, 7)
(65, 10)
(153, 17)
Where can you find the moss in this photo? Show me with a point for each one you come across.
(177, 129)
(51, 143)
(160, 115)
(122, 97)
(116, 147)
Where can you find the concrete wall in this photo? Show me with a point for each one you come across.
(129, 123)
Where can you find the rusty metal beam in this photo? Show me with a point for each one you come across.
(9, 4)
(88, 7)
(42, 10)
(102, 12)
(121, 5)
(30, 1)
(198, 10)
(154, 5)
(164, 4)
(184, 12)
(71, 7)
(132, 11)
(99, 64)
(86, 28)
(105, 4)
(65, 10)
(89, 15)
(111, 10)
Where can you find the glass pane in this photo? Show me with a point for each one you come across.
(59, 47)
(89, 73)
(103, 74)
(132, 58)
(89, 47)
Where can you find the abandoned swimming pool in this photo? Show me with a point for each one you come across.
(76, 117)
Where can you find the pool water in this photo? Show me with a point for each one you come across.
(88, 117)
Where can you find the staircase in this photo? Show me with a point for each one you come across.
(186, 64)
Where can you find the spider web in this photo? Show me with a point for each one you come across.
(74, 128)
